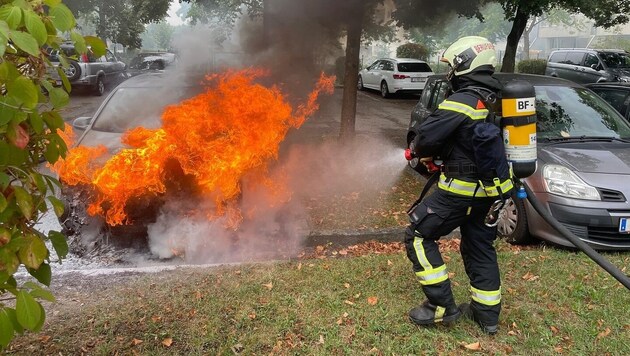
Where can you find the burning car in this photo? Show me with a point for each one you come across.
(155, 146)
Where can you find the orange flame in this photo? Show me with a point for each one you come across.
(220, 138)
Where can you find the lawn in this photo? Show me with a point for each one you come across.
(330, 302)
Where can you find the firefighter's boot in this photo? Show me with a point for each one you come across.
(470, 312)
(429, 314)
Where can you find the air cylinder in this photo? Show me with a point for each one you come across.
(518, 106)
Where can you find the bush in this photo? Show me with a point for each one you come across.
(412, 50)
(532, 66)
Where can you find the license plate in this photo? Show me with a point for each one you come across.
(417, 79)
(624, 227)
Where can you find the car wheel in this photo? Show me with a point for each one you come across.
(85, 232)
(512, 224)
(384, 89)
(360, 84)
(73, 72)
(99, 89)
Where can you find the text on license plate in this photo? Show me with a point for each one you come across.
(624, 227)
(416, 79)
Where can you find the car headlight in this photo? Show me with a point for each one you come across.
(562, 181)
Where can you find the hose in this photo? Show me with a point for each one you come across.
(588, 250)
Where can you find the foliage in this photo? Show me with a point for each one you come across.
(412, 50)
(532, 66)
(29, 131)
(121, 21)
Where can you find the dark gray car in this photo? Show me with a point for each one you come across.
(583, 165)
(587, 65)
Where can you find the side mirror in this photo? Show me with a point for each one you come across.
(82, 123)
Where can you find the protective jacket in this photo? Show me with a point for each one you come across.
(447, 133)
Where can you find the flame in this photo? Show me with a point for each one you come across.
(221, 138)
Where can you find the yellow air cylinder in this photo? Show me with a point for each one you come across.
(518, 105)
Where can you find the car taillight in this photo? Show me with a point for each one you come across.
(401, 76)
(84, 58)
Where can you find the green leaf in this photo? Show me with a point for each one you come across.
(59, 98)
(3, 46)
(25, 41)
(79, 42)
(62, 17)
(12, 15)
(29, 311)
(6, 327)
(57, 204)
(53, 120)
(51, 154)
(24, 91)
(52, 3)
(3, 203)
(7, 113)
(97, 45)
(59, 243)
(36, 27)
(24, 201)
(9, 262)
(8, 71)
(33, 254)
(36, 122)
(64, 78)
(43, 274)
(4, 29)
(16, 325)
(5, 180)
(41, 293)
(40, 183)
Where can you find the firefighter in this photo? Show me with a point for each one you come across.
(461, 200)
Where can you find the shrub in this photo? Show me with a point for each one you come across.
(412, 50)
(532, 66)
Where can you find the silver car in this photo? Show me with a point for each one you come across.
(583, 165)
(86, 70)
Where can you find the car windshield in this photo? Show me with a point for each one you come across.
(139, 106)
(615, 59)
(414, 67)
(565, 112)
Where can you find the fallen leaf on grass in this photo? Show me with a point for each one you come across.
(343, 252)
(347, 285)
(321, 340)
(389, 263)
(512, 333)
(475, 346)
(135, 342)
(372, 300)
(554, 330)
(167, 342)
(198, 295)
(603, 334)
(252, 315)
(558, 349)
(349, 302)
(530, 277)
(268, 285)
(44, 338)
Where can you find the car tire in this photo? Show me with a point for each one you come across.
(360, 84)
(512, 224)
(73, 72)
(99, 88)
(384, 89)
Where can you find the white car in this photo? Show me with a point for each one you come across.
(395, 75)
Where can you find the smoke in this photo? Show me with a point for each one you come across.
(270, 229)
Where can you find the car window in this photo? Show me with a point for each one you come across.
(615, 60)
(414, 67)
(574, 58)
(618, 98)
(439, 94)
(590, 60)
(575, 112)
(109, 57)
(127, 107)
(387, 65)
(373, 66)
(426, 95)
(558, 57)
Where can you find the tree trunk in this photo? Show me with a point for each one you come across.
(351, 76)
(526, 42)
(518, 27)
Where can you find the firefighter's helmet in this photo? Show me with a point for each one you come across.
(469, 53)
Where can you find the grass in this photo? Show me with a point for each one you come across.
(554, 301)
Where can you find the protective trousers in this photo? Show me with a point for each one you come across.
(438, 215)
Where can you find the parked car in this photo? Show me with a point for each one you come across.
(87, 70)
(150, 61)
(586, 65)
(616, 94)
(583, 167)
(392, 76)
(125, 108)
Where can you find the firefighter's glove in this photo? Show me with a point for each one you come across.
(428, 162)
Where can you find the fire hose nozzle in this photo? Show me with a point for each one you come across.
(409, 155)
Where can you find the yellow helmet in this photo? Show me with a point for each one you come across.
(469, 53)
